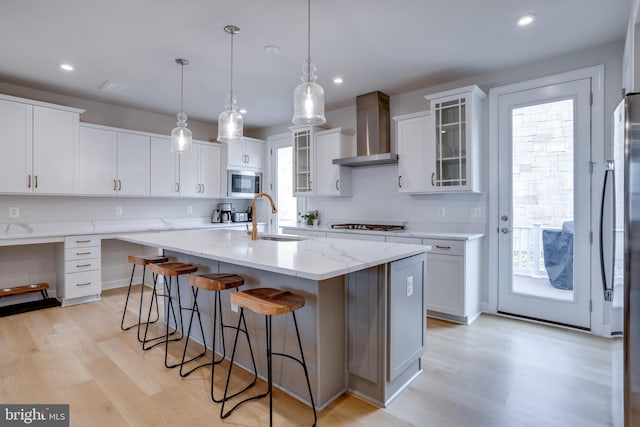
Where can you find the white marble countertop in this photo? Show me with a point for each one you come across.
(423, 234)
(310, 258)
(47, 232)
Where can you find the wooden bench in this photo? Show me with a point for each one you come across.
(18, 290)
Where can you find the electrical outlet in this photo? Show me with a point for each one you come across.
(409, 286)
(441, 211)
(118, 210)
(14, 212)
(475, 212)
(234, 308)
(189, 210)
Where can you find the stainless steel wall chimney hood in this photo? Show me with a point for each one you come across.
(373, 138)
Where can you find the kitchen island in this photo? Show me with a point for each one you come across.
(362, 327)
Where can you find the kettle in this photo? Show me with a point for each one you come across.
(215, 216)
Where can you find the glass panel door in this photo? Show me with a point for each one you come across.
(451, 150)
(545, 185)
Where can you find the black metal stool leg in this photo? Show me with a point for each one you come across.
(194, 309)
(175, 319)
(161, 338)
(223, 414)
(153, 295)
(306, 373)
(126, 303)
(269, 370)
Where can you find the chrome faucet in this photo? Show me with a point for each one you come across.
(254, 227)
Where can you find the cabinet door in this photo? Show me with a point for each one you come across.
(302, 163)
(98, 154)
(55, 150)
(445, 284)
(331, 180)
(414, 155)
(164, 169)
(254, 153)
(210, 170)
(16, 143)
(450, 117)
(133, 164)
(189, 172)
(235, 156)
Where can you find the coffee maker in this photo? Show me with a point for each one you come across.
(225, 212)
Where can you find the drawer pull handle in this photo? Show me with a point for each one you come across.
(443, 247)
(83, 253)
(83, 241)
(83, 284)
(82, 265)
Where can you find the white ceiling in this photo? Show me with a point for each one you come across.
(392, 46)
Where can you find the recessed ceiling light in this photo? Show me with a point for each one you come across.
(338, 80)
(525, 20)
(271, 50)
(243, 111)
(66, 67)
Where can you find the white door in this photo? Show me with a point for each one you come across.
(189, 172)
(210, 170)
(16, 143)
(281, 186)
(98, 152)
(544, 203)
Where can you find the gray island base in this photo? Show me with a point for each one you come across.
(362, 327)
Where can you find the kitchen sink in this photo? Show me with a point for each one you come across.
(281, 237)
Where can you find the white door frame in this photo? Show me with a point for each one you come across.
(596, 74)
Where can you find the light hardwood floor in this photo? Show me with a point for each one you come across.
(495, 372)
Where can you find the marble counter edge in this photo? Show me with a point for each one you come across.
(405, 233)
(360, 265)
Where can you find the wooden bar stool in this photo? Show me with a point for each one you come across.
(216, 283)
(169, 270)
(270, 302)
(143, 261)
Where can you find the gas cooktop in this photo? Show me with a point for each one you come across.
(370, 227)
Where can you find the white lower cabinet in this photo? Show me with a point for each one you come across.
(453, 279)
(79, 270)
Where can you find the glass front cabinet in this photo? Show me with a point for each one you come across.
(455, 125)
(303, 161)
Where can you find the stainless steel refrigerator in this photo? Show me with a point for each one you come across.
(620, 258)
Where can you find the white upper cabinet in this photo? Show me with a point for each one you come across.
(164, 168)
(456, 117)
(332, 180)
(303, 161)
(113, 162)
(247, 155)
(39, 144)
(200, 171)
(415, 150)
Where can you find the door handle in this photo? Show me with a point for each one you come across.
(433, 175)
(29, 183)
(115, 185)
(399, 181)
(119, 185)
(504, 218)
(337, 185)
(36, 181)
(505, 230)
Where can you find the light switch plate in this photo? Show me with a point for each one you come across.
(118, 210)
(234, 308)
(189, 210)
(409, 286)
(441, 211)
(14, 212)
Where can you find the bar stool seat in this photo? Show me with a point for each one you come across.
(214, 283)
(268, 302)
(169, 270)
(143, 261)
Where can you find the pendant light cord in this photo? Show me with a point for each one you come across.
(231, 88)
(181, 89)
(309, 40)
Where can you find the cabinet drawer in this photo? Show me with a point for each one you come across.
(445, 247)
(82, 284)
(81, 241)
(77, 265)
(82, 253)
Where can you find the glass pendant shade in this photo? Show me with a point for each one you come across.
(308, 97)
(308, 100)
(230, 123)
(181, 139)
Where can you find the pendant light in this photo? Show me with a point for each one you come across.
(308, 98)
(181, 135)
(230, 120)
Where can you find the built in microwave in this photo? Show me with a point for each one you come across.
(243, 184)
